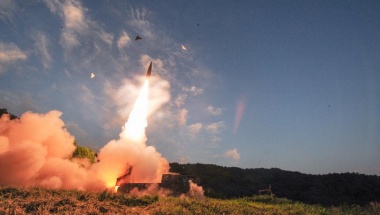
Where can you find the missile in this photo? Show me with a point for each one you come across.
(149, 71)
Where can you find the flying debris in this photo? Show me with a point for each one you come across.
(184, 48)
(138, 38)
(92, 75)
(149, 71)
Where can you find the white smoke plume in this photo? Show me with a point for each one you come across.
(153, 189)
(195, 190)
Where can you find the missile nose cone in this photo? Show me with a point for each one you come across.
(149, 71)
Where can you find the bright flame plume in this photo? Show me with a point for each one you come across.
(134, 128)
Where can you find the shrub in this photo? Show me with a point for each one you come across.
(84, 152)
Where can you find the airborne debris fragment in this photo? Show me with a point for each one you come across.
(92, 75)
(138, 38)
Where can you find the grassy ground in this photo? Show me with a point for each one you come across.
(44, 201)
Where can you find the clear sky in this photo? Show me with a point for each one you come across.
(287, 84)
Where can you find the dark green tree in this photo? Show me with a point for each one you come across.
(84, 152)
(5, 111)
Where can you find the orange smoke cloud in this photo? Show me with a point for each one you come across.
(35, 150)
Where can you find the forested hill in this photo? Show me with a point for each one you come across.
(330, 189)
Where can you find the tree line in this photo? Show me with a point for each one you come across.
(330, 189)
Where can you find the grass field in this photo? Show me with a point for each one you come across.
(47, 201)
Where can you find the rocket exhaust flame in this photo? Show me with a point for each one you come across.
(134, 128)
(131, 150)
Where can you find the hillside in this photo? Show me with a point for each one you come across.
(45, 201)
(331, 189)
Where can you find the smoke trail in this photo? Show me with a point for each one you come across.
(239, 113)
(134, 128)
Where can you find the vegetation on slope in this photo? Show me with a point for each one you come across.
(46, 201)
(83, 152)
(331, 189)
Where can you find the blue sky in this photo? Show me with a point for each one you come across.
(287, 84)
